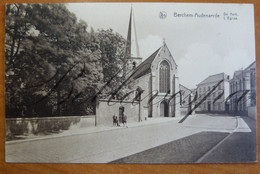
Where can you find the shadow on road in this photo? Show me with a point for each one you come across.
(185, 150)
(238, 147)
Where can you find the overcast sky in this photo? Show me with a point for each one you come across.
(201, 46)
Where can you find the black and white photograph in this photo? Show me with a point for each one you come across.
(130, 83)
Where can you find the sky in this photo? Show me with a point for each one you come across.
(201, 46)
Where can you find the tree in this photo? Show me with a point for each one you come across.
(112, 46)
(51, 60)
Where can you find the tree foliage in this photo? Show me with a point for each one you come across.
(54, 66)
(113, 60)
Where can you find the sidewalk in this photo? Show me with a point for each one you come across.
(149, 121)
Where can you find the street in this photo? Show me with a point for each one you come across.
(200, 138)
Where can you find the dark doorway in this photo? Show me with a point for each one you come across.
(209, 106)
(164, 109)
(121, 113)
(227, 107)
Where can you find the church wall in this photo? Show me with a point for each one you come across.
(104, 113)
(164, 54)
(177, 98)
(144, 83)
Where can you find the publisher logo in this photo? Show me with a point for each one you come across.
(162, 15)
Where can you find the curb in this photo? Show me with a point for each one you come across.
(85, 133)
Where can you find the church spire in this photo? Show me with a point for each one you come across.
(132, 47)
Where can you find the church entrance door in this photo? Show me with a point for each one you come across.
(164, 109)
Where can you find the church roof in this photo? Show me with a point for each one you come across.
(144, 67)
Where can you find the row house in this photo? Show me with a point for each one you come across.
(243, 90)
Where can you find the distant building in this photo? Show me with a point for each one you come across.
(243, 90)
(186, 99)
(215, 101)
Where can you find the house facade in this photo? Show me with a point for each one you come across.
(211, 94)
(243, 90)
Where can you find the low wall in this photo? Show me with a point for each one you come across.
(45, 125)
(183, 110)
(105, 112)
(252, 112)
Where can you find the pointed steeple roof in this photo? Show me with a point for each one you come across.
(132, 47)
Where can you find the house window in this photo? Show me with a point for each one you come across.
(252, 80)
(164, 77)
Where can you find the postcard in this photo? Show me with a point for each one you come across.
(147, 83)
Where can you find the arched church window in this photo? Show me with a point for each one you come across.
(164, 77)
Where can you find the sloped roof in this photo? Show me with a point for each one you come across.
(170, 54)
(145, 66)
(251, 65)
(238, 72)
(214, 78)
(185, 88)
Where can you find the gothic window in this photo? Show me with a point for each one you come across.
(164, 77)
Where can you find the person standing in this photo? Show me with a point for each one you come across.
(125, 120)
(114, 120)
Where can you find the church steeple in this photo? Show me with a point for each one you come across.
(132, 47)
(132, 53)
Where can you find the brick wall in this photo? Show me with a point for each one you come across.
(105, 111)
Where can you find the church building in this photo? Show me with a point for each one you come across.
(155, 81)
